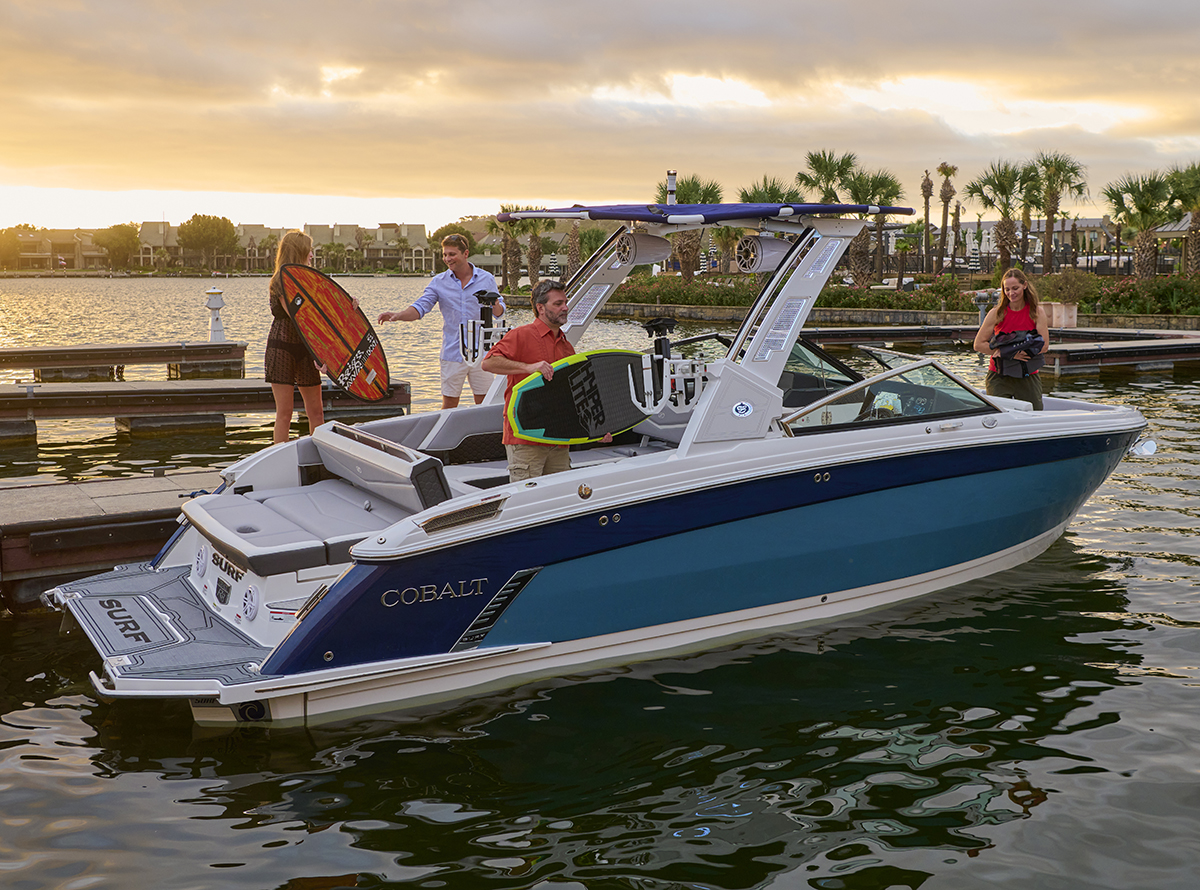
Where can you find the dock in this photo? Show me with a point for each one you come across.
(1157, 354)
(1072, 350)
(99, 361)
(865, 336)
(150, 407)
(51, 532)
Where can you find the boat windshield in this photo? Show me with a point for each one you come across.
(811, 374)
(915, 393)
(890, 358)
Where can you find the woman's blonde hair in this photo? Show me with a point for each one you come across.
(294, 247)
(1031, 294)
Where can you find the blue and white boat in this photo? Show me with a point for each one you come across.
(373, 566)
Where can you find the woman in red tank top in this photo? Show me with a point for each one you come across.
(1017, 311)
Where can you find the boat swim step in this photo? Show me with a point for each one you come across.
(151, 624)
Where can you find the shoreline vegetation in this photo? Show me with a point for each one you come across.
(716, 296)
(1176, 294)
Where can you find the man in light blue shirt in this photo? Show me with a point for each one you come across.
(454, 293)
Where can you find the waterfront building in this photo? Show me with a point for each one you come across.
(59, 250)
(346, 247)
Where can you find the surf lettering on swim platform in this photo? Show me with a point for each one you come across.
(429, 593)
(227, 567)
(586, 395)
(357, 361)
(123, 621)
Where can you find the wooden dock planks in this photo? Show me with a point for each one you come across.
(95, 354)
(50, 532)
(41, 401)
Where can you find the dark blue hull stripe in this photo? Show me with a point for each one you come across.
(752, 543)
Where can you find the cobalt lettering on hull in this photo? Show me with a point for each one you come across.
(428, 593)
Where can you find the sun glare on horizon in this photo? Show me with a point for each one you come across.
(63, 208)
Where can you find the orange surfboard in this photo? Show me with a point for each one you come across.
(338, 335)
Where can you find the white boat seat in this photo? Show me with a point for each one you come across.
(409, 430)
(404, 476)
(457, 425)
(337, 513)
(252, 535)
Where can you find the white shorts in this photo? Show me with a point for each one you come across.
(455, 373)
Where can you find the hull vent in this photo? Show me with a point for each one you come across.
(491, 613)
(474, 513)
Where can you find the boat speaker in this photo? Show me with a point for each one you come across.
(758, 254)
(639, 250)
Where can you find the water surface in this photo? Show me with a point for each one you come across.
(1039, 728)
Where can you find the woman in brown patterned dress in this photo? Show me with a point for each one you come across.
(287, 362)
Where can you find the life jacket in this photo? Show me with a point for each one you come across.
(1016, 326)
(1009, 344)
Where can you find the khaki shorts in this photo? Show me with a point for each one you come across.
(455, 373)
(528, 461)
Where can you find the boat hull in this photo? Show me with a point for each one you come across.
(760, 542)
(935, 524)
(323, 695)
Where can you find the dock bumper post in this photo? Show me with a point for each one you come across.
(150, 425)
(18, 432)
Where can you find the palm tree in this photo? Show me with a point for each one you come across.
(535, 229)
(1142, 203)
(363, 237)
(1061, 176)
(998, 189)
(334, 255)
(771, 191)
(927, 195)
(590, 240)
(904, 246)
(866, 187)
(726, 238)
(402, 248)
(956, 231)
(827, 172)
(945, 195)
(510, 248)
(573, 259)
(1031, 189)
(1185, 189)
(888, 191)
(689, 190)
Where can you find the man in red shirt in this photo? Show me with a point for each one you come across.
(529, 349)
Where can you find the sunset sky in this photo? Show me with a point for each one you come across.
(366, 112)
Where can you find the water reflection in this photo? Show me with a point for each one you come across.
(1032, 729)
(32, 312)
(831, 756)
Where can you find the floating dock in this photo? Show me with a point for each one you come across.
(1072, 350)
(156, 407)
(51, 532)
(98, 361)
(848, 336)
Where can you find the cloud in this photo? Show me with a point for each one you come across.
(555, 101)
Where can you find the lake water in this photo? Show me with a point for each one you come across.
(58, 311)
(1039, 728)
